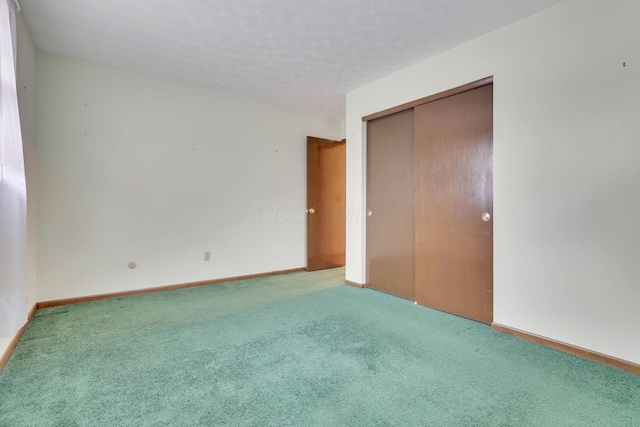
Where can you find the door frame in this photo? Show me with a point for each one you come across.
(450, 92)
(321, 209)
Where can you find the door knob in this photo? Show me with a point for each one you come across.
(369, 213)
(311, 211)
(486, 216)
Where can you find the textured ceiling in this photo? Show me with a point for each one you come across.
(303, 54)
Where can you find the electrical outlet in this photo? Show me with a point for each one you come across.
(207, 255)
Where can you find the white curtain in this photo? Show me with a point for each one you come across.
(13, 190)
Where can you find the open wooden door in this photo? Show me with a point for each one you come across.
(326, 209)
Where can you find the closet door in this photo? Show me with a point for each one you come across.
(454, 204)
(390, 205)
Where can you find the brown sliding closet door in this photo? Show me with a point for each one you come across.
(454, 204)
(390, 204)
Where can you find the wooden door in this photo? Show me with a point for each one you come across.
(326, 213)
(390, 205)
(454, 204)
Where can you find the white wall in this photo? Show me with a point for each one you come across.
(26, 86)
(566, 174)
(135, 168)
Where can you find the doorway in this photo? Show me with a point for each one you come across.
(326, 203)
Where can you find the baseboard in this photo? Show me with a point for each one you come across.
(571, 349)
(55, 303)
(65, 301)
(16, 338)
(355, 284)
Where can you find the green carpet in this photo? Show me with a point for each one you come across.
(299, 349)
